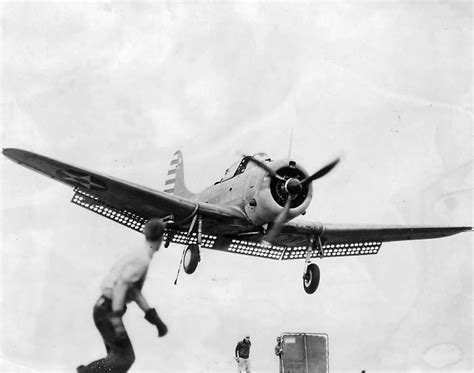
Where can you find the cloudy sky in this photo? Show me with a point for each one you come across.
(117, 88)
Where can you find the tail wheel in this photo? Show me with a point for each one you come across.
(191, 259)
(311, 278)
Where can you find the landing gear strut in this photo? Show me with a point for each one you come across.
(311, 275)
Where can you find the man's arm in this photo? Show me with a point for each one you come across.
(119, 294)
(130, 273)
(278, 350)
(150, 313)
(139, 299)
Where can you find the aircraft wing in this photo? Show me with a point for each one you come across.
(225, 228)
(126, 203)
(336, 239)
(386, 233)
(346, 240)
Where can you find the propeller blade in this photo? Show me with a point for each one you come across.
(322, 172)
(264, 166)
(278, 223)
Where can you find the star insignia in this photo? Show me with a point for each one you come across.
(82, 179)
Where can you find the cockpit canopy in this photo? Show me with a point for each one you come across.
(239, 167)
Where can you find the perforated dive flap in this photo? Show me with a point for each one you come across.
(182, 238)
(123, 217)
(134, 221)
(334, 249)
(222, 243)
(255, 249)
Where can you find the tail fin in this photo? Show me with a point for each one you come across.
(175, 180)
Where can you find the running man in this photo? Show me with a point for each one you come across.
(242, 355)
(123, 285)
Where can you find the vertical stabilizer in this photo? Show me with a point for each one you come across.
(175, 180)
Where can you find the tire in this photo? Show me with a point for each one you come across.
(311, 278)
(191, 259)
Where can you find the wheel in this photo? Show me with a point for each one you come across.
(191, 259)
(311, 278)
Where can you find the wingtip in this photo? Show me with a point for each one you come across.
(464, 229)
(9, 152)
(15, 154)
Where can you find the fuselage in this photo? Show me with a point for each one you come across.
(250, 189)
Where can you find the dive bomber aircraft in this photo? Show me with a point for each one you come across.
(249, 211)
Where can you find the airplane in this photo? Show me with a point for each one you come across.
(249, 211)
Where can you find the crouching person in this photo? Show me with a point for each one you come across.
(123, 285)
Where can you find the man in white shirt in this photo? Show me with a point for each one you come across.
(123, 285)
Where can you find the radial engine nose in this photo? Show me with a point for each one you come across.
(293, 186)
(288, 185)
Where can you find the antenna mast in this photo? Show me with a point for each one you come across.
(291, 143)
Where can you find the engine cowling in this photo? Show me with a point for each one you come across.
(271, 194)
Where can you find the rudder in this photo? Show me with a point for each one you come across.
(174, 183)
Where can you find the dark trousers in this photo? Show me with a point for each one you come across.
(120, 355)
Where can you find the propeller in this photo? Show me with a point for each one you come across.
(292, 187)
(265, 167)
(322, 172)
(278, 223)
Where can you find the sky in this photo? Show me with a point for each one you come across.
(118, 87)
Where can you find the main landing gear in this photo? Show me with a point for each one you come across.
(192, 257)
(311, 278)
(311, 274)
